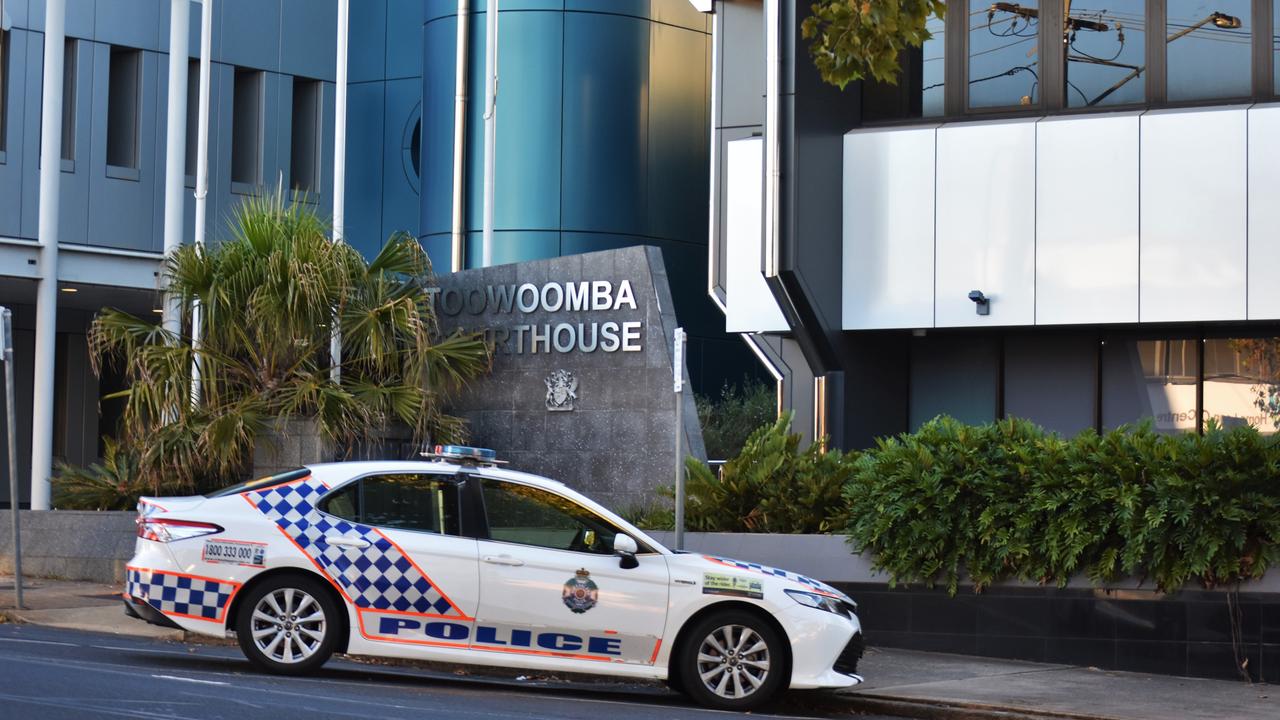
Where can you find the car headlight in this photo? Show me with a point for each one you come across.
(820, 602)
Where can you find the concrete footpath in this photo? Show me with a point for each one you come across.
(900, 683)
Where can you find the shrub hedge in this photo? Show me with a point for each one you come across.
(954, 503)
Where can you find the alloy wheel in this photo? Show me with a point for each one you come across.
(288, 625)
(733, 661)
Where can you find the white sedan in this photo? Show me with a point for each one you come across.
(457, 560)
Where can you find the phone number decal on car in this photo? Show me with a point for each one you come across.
(236, 552)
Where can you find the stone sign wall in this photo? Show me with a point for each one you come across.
(582, 384)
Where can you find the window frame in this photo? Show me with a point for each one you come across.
(316, 119)
(70, 105)
(321, 505)
(6, 39)
(238, 185)
(477, 496)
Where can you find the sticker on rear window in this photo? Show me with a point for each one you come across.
(718, 584)
(235, 552)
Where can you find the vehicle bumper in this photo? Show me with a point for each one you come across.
(142, 611)
(825, 648)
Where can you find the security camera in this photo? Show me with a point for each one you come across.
(982, 301)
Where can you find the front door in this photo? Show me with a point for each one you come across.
(403, 563)
(550, 584)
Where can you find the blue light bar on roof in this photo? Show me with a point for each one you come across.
(463, 452)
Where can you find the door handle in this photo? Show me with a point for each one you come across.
(346, 542)
(503, 560)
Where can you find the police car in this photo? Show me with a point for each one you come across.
(456, 559)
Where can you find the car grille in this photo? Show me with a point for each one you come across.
(847, 663)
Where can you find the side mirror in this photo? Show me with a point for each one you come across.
(624, 546)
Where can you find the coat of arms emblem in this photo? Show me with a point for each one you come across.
(580, 593)
(562, 390)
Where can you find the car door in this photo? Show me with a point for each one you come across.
(551, 585)
(405, 565)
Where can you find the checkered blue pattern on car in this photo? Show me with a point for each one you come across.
(757, 567)
(378, 577)
(175, 594)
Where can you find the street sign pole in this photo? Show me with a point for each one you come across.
(677, 366)
(6, 333)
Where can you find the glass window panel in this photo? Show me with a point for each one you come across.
(69, 100)
(1106, 53)
(1242, 382)
(123, 98)
(1150, 380)
(410, 502)
(1208, 48)
(954, 376)
(193, 115)
(304, 157)
(933, 69)
(1275, 46)
(1004, 59)
(4, 87)
(531, 516)
(1050, 380)
(246, 128)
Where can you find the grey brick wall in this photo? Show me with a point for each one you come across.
(70, 544)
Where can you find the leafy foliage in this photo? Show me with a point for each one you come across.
(1008, 500)
(855, 39)
(727, 421)
(772, 486)
(112, 484)
(269, 296)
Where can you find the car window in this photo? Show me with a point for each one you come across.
(403, 500)
(532, 516)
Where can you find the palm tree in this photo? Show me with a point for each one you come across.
(269, 296)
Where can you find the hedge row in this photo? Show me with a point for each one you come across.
(1008, 500)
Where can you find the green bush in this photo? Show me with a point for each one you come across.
(771, 486)
(1008, 500)
(727, 421)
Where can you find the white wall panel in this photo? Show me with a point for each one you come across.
(1264, 212)
(986, 223)
(1087, 219)
(888, 229)
(1193, 215)
(751, 307)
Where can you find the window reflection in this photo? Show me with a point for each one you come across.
(1106, 53)
(1208, 48)
(933, 68)
(1004, 60)
(1150, 380)
(1242, 382)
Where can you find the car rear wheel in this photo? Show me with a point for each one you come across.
(733, 661)
(288, 625)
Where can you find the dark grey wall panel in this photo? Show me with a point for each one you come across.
(399, 197)
(73, 207)
(250, 33)
(367, 33)
(135, 23)
(677, 130)
(365, 119)
(1052, 380)
(12, 178)
(404, 31)
(304, 27)
(29, 120)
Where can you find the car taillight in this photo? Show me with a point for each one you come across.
(168, 530)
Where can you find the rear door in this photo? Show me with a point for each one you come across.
(405, 565)
(550, 584)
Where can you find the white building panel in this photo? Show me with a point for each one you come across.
(1087, 220)
(1264, 212)
(888, 229)
(986, 223)
(750, 304)
(1193, 215)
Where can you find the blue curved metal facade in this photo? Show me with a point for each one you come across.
(602, 141)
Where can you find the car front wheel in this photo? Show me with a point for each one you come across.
(287, 625)
(733, 660)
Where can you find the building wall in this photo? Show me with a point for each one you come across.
(602, 143)
(111, 221)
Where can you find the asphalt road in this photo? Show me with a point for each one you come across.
(52, 674)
